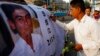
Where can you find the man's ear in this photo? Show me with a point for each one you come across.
(12, 25)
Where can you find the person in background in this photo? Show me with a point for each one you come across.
(85, 29)
(20, 22)
(96, 14)
(45, 5)
(88, 11)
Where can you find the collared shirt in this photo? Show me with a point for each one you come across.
(86, 33)
(23, 49)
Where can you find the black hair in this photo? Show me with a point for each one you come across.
(8, 9)
(88, 7)
(78, 3)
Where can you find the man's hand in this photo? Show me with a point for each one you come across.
(53, 18)
(78, 47)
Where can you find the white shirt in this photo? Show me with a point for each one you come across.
(23, 49)
(86, 33)
(98, 21)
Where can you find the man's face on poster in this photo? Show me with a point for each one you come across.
(23, 22)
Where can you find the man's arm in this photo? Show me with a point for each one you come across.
(69, 26)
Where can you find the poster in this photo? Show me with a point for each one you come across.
(32, 31)
(53, 44)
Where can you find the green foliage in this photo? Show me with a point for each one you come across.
(68, 46)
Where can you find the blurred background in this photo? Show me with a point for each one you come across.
(60, 9)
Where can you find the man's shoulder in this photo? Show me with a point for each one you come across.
(90, 19)
(91, 22)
